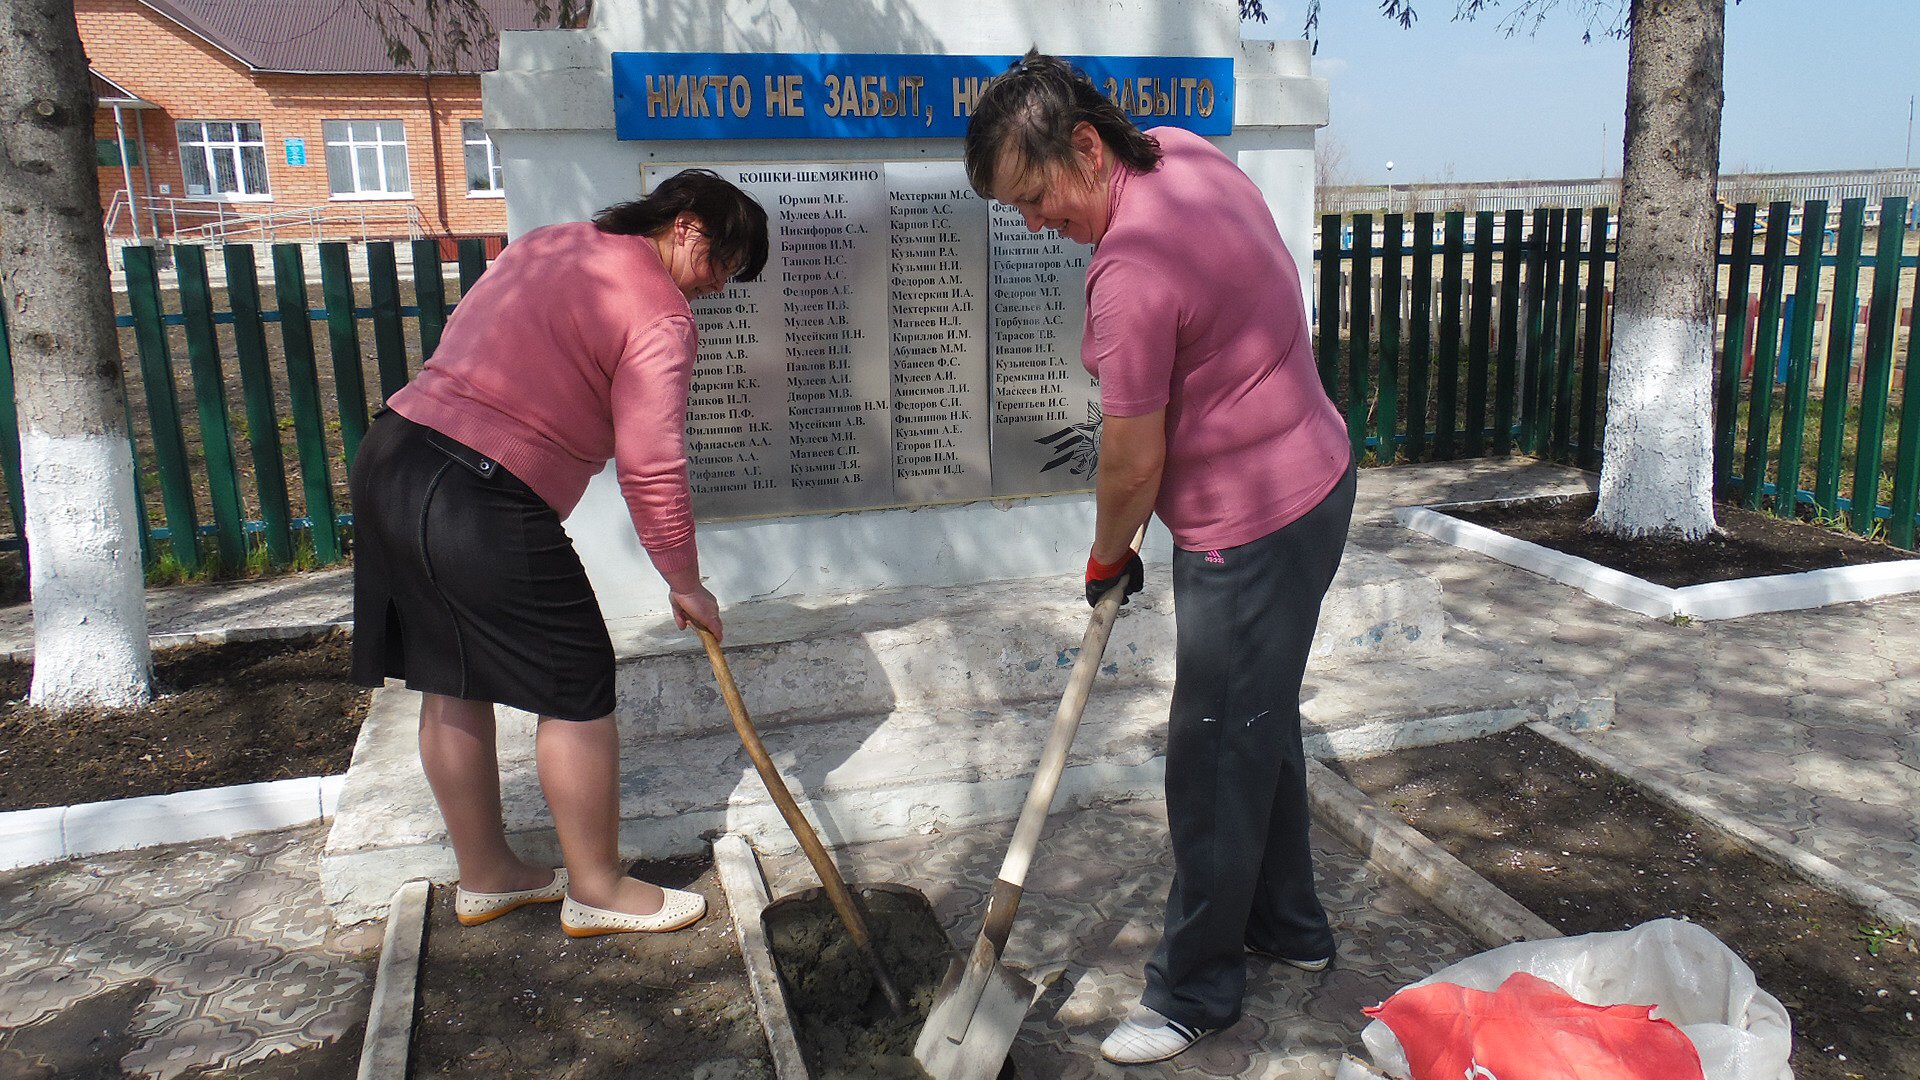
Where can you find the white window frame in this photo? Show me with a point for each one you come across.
(206, 149)
(380, 145)
(495, 175)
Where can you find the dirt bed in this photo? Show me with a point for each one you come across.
(517, 998)
(845, 1029)
(1586, 851)
(225, 714)
(1746, 544)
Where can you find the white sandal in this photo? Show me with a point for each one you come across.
(474, 908)
(678, 909)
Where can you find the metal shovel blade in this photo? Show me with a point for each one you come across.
(975, 1018)
(981, 1002)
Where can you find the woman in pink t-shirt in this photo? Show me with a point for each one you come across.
(575, 347)
(1215, 419)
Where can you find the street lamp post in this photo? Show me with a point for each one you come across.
(1389, 203)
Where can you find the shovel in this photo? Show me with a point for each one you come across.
(982, 1002)
(843, 900)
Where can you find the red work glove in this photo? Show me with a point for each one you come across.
(1102, 577)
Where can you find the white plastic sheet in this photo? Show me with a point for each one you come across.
(1741, 1031)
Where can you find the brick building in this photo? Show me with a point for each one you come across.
(291, 121)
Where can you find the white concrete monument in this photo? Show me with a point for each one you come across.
(899, 399)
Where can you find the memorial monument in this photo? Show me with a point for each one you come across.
(899, 399)
(897, 402)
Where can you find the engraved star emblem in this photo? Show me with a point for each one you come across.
(1076, 446)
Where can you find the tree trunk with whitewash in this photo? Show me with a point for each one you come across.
(89, 613)
(1657, 473)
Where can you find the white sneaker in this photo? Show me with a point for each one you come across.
(1145, 1037)
(1304, 965)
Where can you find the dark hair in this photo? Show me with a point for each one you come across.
(735, 225)
(1032, 109)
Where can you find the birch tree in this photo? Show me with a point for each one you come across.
(89, 608)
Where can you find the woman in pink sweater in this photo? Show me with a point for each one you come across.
(575, 348)
(1214, 419)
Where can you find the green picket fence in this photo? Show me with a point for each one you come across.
(1447, 335)
(1452, 335)
(1441, 336)
(213, 483)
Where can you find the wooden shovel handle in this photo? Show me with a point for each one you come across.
(1005, 898)
(823, 865)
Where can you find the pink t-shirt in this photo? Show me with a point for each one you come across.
(1194, 305)
(574, 347)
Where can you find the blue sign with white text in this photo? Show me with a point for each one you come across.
(882, 95)
(296, 151)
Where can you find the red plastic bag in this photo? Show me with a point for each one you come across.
(1530, 1029)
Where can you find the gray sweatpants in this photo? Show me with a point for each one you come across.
(1236, 774)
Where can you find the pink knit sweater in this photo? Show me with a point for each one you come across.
(574, 348)
(1194, 306)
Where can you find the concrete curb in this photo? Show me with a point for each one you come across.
(1409, 857)
(747, 897)
(1714, 600)
(383, 1053)
(1891, 909)
(24, 654)
(32, 837)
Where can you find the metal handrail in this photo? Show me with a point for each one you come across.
(119, 204)
(311, 221)
(210, 221)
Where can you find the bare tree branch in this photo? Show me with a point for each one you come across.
(1608, 18)
(1400, 11)
(438, 36)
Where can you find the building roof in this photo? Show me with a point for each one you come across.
(346, 37)
(108, 94)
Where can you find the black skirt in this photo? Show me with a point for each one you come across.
(465, 584)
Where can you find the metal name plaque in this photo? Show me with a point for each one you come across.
(937, 301)
(1046, 408)
(790, 404)
(906, 344)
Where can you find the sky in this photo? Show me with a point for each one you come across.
(1810, 85)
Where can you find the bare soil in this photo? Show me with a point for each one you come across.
(1746, 544)
(1586, 851)
(841, 1018)
(517, 998)
(224, 714)
(514, 997)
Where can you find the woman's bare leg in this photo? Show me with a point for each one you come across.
(580, 773)
(457, 752)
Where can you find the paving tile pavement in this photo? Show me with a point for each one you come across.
(224, 947)
(242, 608)
(1091, 912)
(1805, 723)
